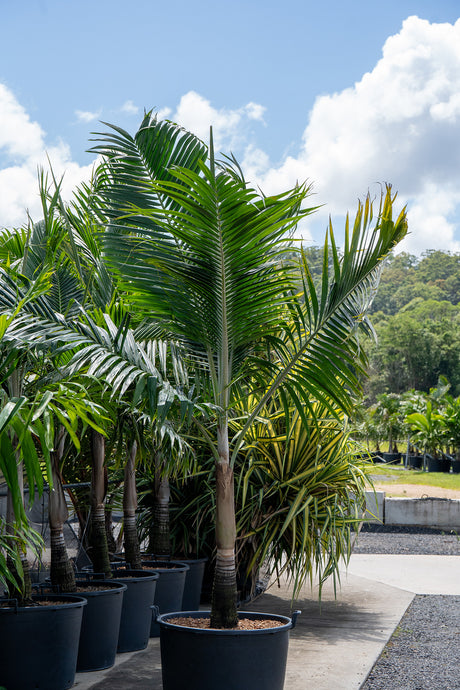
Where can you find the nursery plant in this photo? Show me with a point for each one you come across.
(301, 491)
(428, 429)
(199, 251)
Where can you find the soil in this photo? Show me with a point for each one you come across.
(89, 588)
(417, 491)
(42, 602)
(243, 623)
(163, 567)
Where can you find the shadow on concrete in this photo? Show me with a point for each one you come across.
(328, 621)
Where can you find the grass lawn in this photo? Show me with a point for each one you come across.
(391, 473)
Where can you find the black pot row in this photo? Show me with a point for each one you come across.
(84, 632)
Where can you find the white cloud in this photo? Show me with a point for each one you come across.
(18, 135)
(255, 111)
(164, 113)
(129, 108)
(87, 116)
(230, 127)
(400, 124)
(23, 150)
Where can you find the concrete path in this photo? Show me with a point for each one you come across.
(418, 574)
(335, 644)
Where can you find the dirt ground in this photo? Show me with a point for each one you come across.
(416, 491)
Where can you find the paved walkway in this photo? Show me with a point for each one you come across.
(334, 645)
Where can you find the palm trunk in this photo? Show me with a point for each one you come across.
(98, 551)
(224, 612)
(62, 572)
(131, 539)
(159, 537)
(111, 541)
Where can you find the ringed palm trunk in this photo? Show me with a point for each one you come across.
(131, 539)
(160, 542)
(223, 606)
(62, 572)
(99, 551)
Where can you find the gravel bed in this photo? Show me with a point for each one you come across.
(407, 540)
(424, 651)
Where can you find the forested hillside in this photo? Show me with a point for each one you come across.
(416, 315)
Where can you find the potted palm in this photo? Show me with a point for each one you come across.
(199, 251)
(429, 432)
(451, 421)
(48, 626)
(388, 413)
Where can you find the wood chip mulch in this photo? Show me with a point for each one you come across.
(243, 624)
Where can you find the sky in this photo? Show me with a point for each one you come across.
(347, 96)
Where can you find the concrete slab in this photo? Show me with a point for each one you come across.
(375, 507)
(336, 643)
(417, 574)
(443, 513)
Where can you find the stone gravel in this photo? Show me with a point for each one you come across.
(407, 540)
(424, 651)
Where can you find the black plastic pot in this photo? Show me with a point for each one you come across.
(391, 458)
(415, 461)
(136, 612)
(456, 466)
(100, 625)
(438, 464)
(205, 659)
(39, 644)
(193, 583)
(170, 588)
(193, 580)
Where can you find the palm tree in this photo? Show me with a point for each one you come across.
(199, 251)
(387, 413)
(42, 296)
(428, 429)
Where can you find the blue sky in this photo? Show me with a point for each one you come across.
(346, 95)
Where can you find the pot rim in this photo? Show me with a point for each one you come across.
(75, 601)
(118, 586)
(137, 575)
(176, 559)
(181, 566)
(288, 623)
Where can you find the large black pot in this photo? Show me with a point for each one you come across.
(391, 458)
(193, 581)
(205, 659)
(438, 464)
(39, 644)
(170, 588)
(136, 612)
(100, 625)
(456, 466)
(415, 461)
